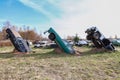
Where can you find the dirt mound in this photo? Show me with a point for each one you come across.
(58, 50)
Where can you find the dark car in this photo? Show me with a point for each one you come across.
(19, 43)
(63, 44)
(98, 38)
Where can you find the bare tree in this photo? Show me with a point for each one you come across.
(116, 37)
(7, 24)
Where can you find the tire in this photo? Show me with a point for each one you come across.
(110, 47)
(96, 35)
(27, 42)
(51, 36)
(88, 37)
(97, 44)
(106, 42)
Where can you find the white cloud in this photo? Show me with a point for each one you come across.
(36, 6)
(79, 15)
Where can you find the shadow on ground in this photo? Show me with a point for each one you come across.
(94, 51)
(6, 55)
(53, 54)
(38, 55)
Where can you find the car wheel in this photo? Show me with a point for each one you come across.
(96, 35)
(113, 46)
(97, 44)
(27, 42)
(88, 37)
(106, 42)
(110, 47)
(51, 36)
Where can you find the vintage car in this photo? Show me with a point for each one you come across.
(19, 43)
(63, 44)
(98, 39)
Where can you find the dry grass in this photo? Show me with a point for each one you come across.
(45, 64)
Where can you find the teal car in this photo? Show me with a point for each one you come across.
(116, 42)
(63, 44)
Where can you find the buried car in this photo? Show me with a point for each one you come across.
(19, 43)
(63, 44)
(98, 39)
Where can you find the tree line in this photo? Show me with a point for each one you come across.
(25, 32)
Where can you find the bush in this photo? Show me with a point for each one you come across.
(5, 43)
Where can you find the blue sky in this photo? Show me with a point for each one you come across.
(18, 11)
(67, 17)
(27, 12)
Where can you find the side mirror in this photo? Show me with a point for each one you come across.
(45, 32)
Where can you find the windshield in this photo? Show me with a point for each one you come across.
(68, 46)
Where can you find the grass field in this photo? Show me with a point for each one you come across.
(45, 64)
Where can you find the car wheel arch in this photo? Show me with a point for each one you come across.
(52, 36)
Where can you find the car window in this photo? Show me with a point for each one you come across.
(118, 41)
(114, 40)
(65, 42)
(19, 40)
